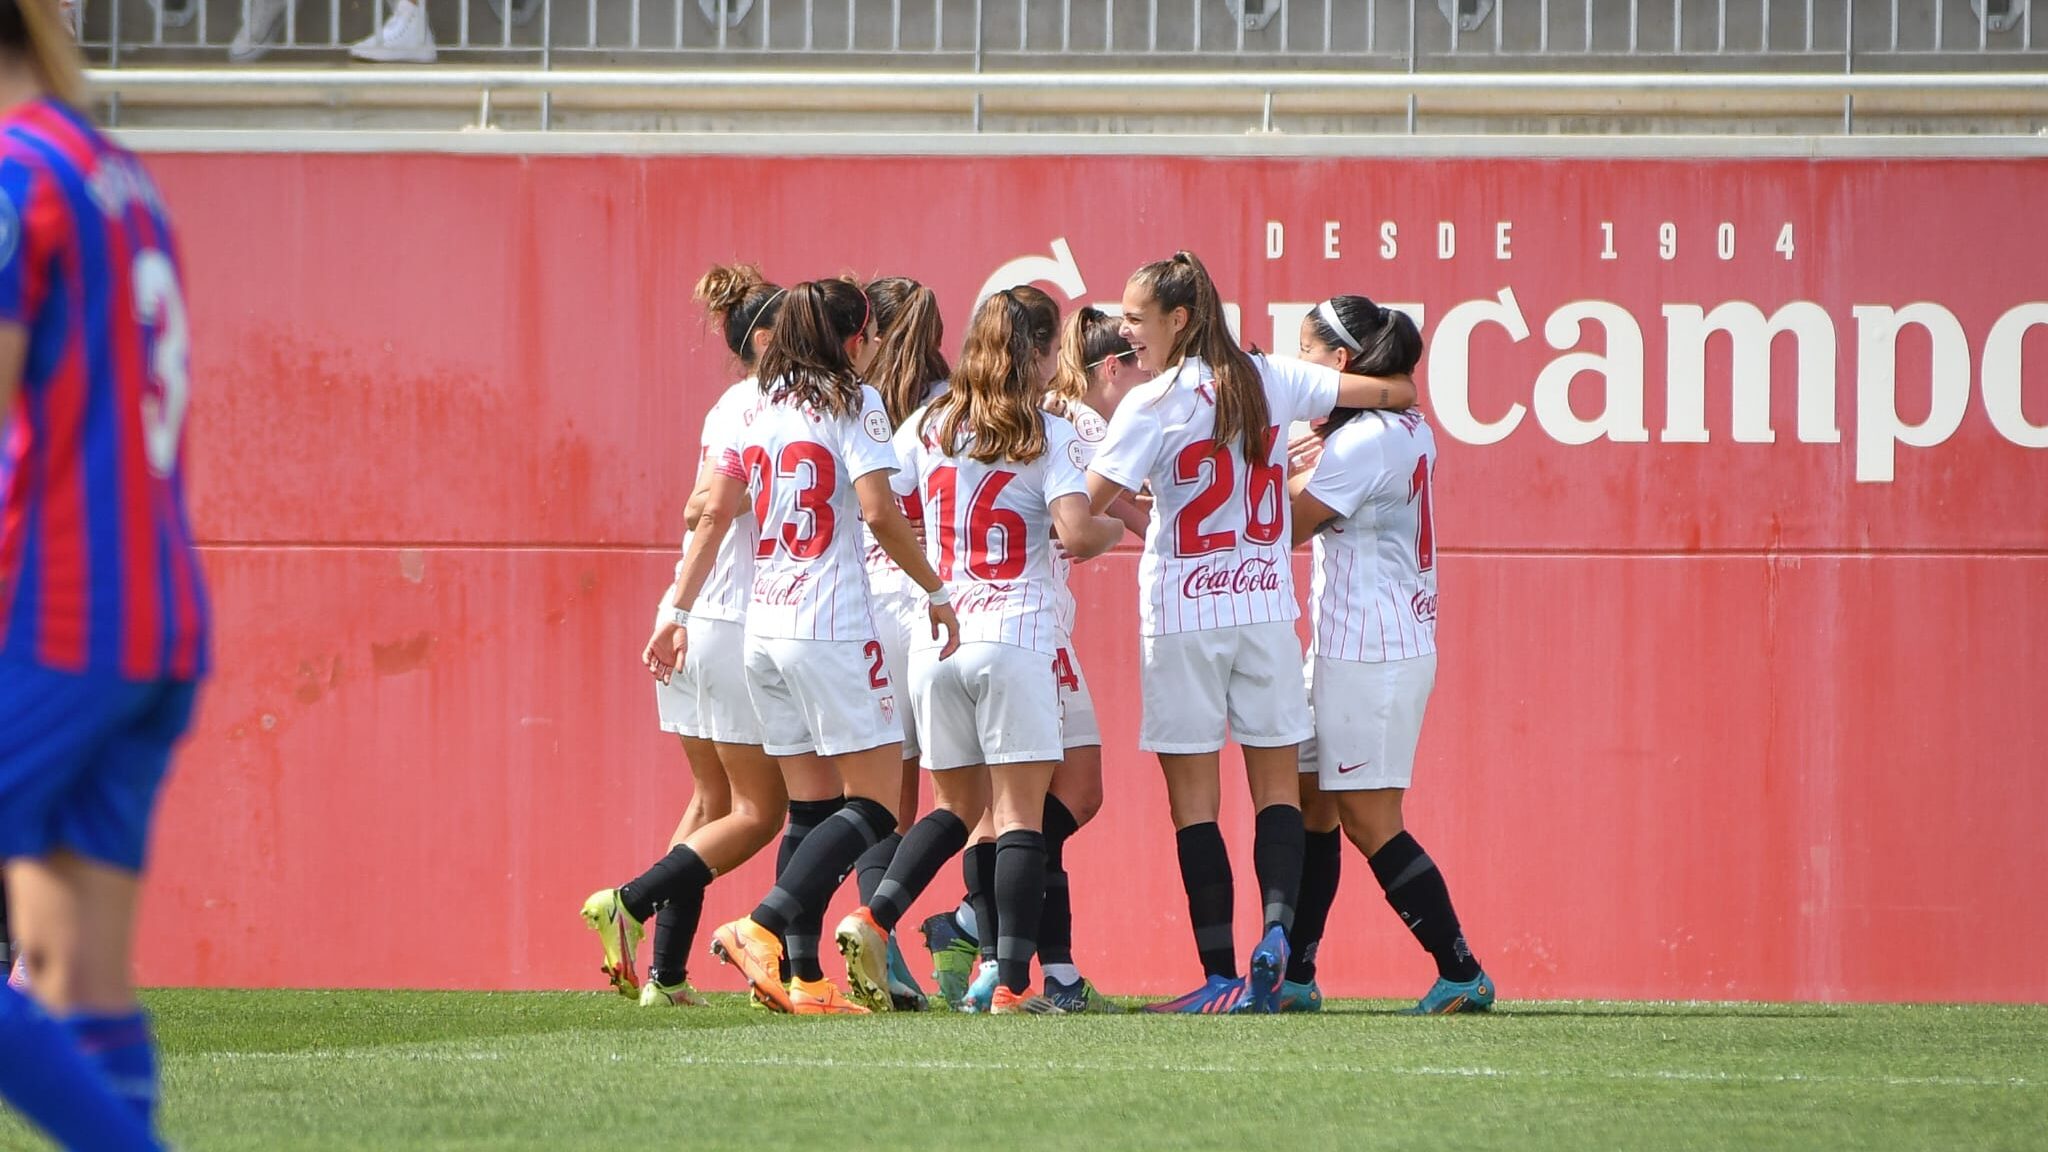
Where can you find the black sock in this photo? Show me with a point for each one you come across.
(674, 927)
(1322, 862)
(979, 863)
(804, 815)
(671, 878)
(926, 847)
(1276, 858)
(800, 943)
(1205, 873)
(1056, 923)
(1417, 891)
(1020, 895)
(874, 864)
(821, 862)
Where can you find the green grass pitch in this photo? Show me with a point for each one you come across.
(356, 1070)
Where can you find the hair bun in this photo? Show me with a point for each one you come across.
(725, 286)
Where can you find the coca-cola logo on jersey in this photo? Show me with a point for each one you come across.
(983, 598)
(782, 591)
(1253, 574)
(1424, 605)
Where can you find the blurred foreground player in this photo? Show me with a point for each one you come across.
(103, 621)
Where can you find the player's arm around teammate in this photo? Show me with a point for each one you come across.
(1216, 596)
(739, 801)
(816, 458)
(999, 478)
(1368, 509)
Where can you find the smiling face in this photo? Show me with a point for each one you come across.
(1150, 329)
(1315, 351)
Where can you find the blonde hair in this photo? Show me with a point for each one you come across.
(995, 392)
(1089, 337)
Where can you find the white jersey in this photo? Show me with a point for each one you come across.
(1089, 429)
(1216, 550)
(885, 578)
(988, 531)
(1374, 591)
(725, 592)
(800, 467)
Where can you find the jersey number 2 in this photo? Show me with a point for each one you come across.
(160, 309)
(813, 499)
(1265, 498)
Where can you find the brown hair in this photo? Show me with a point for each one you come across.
(34, 30)
(806, 361)
(995, 390)
(1382, 342)
(907, 335)
(1241, 412)
(741, 300)
(1089, 336)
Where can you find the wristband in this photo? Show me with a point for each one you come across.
(940, 598)
(679, 618)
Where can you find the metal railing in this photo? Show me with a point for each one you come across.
(1381, 34)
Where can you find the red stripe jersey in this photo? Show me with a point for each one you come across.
(98, 573)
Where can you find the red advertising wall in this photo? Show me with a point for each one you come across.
(1745, 640)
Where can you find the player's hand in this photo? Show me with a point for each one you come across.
(665, 650)
(944, 617)
(1303, 451)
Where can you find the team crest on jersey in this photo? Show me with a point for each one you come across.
(878, 426)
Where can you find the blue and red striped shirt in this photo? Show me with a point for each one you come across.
(98, 573)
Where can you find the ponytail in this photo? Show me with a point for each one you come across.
(1089, 337)
(1242, 416)
(806, 361)
(742, 301)
(908, 332)
(1379, 342)
(33, 30)
(993, 400)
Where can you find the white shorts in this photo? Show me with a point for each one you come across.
(988, 703)
(897, 618)
(831, 697)
(1248, 676)
(1078, 728)
(1368, 719)
(676, 702)
(707, 697)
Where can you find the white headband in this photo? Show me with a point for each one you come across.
(756, 321)
(1328, 311)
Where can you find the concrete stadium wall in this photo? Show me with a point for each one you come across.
(1744, 640)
